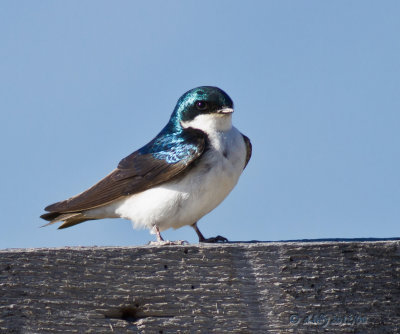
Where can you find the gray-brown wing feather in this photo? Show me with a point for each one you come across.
(135, 174)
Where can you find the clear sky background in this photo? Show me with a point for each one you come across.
(316, 86)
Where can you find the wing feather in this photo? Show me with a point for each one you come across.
(157, 162)
(249, 149)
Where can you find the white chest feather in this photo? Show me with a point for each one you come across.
(186, 199)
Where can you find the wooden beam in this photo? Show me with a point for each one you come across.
(273, 287)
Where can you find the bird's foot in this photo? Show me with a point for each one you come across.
(161, 242)
(216, 239)
(167, 243)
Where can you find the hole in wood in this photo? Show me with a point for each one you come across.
(127, 313)
(133, 313)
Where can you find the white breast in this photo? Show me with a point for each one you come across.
(186, 199)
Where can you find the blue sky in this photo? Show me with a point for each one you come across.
(316, 86)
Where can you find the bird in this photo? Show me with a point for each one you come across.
(182, 174)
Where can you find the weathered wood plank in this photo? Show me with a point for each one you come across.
(286, 287)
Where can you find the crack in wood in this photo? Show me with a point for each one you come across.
(132, 313)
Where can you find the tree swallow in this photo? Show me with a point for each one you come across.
(185, 172)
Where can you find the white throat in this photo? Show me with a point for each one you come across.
(210, 122)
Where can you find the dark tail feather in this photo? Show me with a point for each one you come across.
(70, 219)
(72, 222)
(50, 215)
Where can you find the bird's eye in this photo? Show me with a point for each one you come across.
(201, 105)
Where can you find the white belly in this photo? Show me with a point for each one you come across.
(187, 199)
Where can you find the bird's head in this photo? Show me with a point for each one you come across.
(205, 108)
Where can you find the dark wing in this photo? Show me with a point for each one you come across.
(248, 149)
(157, 162)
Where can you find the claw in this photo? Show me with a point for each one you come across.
(216, 239)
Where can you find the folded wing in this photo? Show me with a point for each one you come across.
(159, 161)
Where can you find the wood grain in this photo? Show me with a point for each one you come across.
(285, 287)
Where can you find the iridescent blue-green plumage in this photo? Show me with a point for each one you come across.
(186, 110)
(174, 147)
(174, 143)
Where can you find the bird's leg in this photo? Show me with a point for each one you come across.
(159, 237)
(161, 242)
(218, 238)
(200, 235)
